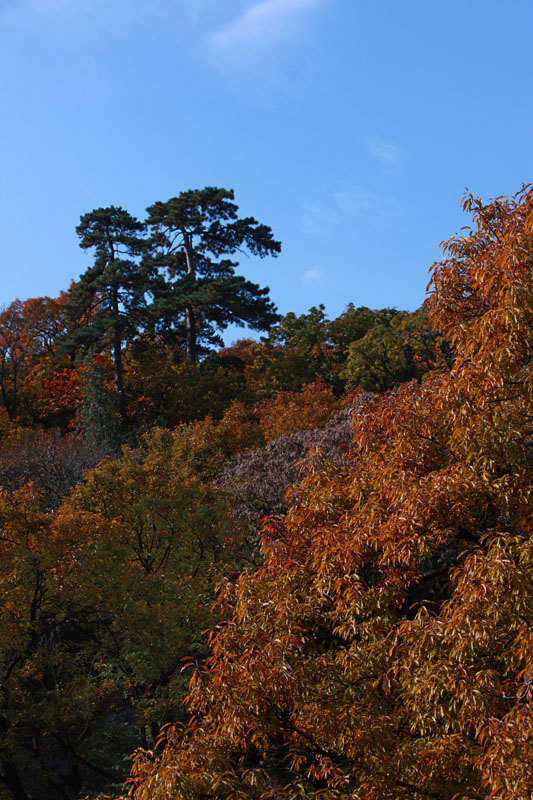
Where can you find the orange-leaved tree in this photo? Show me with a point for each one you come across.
(383, 649)
(28, 330)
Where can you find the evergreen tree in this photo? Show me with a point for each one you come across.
(192, 236)
(108, 303)
(97, 421)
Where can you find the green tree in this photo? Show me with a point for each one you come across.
(192, 236)
(307, 331)
(109, 302)
(395, 349)
(296, 351)
(101, 600)
(96, 419)
(353, 324)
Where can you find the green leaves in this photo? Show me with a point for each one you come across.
(396, 348)
(109, 302)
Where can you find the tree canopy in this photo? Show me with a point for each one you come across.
(192, 236)
(109, 301)
(358, 489)
(383, 649)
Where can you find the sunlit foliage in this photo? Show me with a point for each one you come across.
(383, 649)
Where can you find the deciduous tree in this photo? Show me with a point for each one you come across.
(383, 649)
(395, 349)
(100, 602)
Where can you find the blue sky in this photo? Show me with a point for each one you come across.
(352, 128)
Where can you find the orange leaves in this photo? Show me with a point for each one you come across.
(507, 741)
(482, 297)
(27, 333)
(61, 392)
(383, 648)
(288, 412)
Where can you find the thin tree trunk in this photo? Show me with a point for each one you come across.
(192, 353)
(190, 320)
(119, 372)
(9, 398)
(117, 342)
(117, 358)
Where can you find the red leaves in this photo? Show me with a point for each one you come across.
(61, 392)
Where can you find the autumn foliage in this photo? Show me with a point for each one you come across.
(384, 648)
(345, 506)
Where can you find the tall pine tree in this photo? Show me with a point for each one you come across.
(109, 302)
(192, 237)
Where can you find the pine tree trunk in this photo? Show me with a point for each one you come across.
(192, 353)
(117, 358)
(190, 321)
(119, 372)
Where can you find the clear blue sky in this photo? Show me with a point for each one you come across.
(352, 128)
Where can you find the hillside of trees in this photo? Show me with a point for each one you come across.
(299, 566)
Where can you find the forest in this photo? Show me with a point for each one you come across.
(296, 566)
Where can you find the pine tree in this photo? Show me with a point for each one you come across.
(192, 236)
(109, 302)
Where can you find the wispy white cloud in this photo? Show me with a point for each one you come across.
(262, 23)
(351, 204)
(312, 276)
(254, 44)
(387, 152)
(269, 50)
(352, 200)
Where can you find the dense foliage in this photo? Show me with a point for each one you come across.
(383, 648)
(358, 489)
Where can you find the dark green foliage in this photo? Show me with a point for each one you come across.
(192, 236)
(301, 350)
(371, 348)
(354, 323)
(97, 422)
(109, 302)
